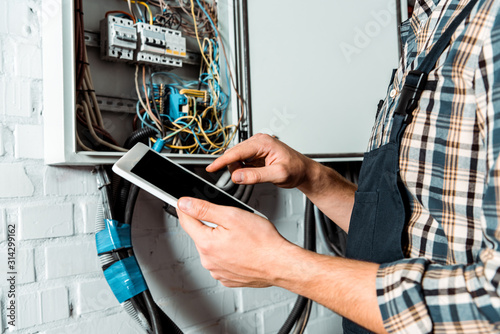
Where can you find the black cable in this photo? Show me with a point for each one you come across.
(248, 192)
(239, 191)
(160, 324)
(130, 205)
(309, 244)
(123, 185)
(335, 234)
(153, 312)
(324, 234)
(138, 136)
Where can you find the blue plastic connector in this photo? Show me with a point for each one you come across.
(158, 146)
(175, 102)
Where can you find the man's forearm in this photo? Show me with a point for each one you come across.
(330, 192)
(345, 286)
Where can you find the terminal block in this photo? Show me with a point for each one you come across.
(118, 39)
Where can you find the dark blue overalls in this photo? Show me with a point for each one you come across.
(381, 203)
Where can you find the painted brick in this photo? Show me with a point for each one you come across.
(54, 304)
(25, 266)
(244, 324)
(29, 141)
(9, 57)
(29, 60)
(199, 308)
(3, 226)
(94, 296)
(46, 221)
(6, 136)
(18, 10)
(14, 182)
(252, 299)
(1, 318)
(72, 259)
(2, 130)
(328, 325)
(18, 92)
(69, 181)
(119, 323)
(28, 311)
(274, 318)
(4, 23)
(85, 217)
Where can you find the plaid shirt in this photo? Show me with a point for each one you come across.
(450, 163)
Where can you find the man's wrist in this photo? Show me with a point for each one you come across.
(311, 183)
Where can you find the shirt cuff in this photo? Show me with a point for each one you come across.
(400, 296)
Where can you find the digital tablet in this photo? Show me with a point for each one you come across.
(169, 181)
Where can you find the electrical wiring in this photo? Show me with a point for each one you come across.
(233, 84)
(193, 118)
(213, 78)
(120, 12)
(92, 131)
(148, 105)
(205, 129)
(87, 108)
(157, 122)
(130, 8)
(81, 144)
(304, 319)
(130, 2)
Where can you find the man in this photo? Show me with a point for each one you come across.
(425, 225)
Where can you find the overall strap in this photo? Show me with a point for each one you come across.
(416, 79)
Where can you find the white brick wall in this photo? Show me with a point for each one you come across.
(60, 287)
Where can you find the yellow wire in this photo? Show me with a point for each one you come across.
(193, 100)
(145, 5)
(196, 32)
(173, 146)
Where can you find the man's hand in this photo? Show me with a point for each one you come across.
(263, 158)
(241, 250)
(246, 250)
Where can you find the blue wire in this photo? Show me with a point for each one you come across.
(143, 122)
(208, 16)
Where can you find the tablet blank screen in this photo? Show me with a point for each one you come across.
(178, 183)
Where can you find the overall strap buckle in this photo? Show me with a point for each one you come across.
(410, 95)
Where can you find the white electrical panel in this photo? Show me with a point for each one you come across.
(300, 69)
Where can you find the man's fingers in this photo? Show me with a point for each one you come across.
(273, 174)
(206, 211)
(192, 226)
(243, 151)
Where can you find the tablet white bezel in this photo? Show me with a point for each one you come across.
(123, 167)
